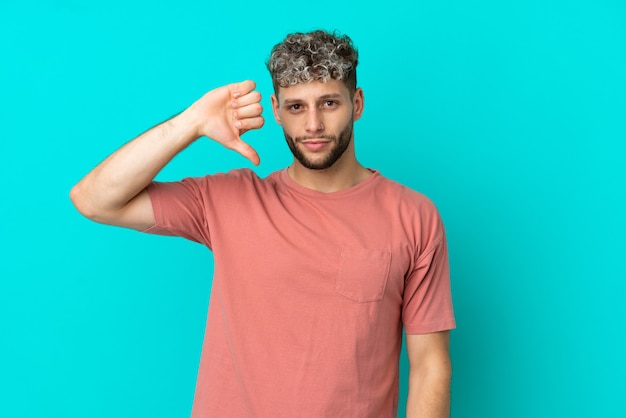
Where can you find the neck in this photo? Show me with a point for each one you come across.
(345, 173)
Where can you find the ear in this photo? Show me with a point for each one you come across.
(276, 108)
(358, 103)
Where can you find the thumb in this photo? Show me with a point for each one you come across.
(246, 151)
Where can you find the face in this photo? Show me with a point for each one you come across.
(317, 119)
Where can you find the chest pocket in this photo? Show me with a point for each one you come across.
(363, 274)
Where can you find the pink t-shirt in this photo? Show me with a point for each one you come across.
(310, 291)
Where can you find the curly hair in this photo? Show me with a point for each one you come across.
(317, 55)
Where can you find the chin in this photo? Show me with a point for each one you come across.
(324, 162)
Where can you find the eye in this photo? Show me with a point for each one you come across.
(294, 108)
(330, 103)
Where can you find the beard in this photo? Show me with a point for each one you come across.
(340, 142)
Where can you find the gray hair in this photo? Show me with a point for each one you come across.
(313, 56)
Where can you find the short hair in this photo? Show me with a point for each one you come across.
(313, 56)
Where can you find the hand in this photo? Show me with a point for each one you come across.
(226, 113)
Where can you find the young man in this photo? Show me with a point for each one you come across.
(318, 267)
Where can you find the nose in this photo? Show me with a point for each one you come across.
(314, 122)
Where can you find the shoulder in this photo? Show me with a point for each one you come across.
(405, 197)
(414, 211)
(241, 177)
(231, 183)
(241, 186)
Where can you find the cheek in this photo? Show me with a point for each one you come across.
(288, 123)
(344, 123)
(289, 133)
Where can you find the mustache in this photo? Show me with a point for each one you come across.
(307, 137)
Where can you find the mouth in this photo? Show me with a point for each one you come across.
(315, 145)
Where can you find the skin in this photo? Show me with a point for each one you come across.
(317, 119)
(429, 375)
(320, 113)
(114, 191)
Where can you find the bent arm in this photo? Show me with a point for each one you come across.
(429, 375)
(114, 192)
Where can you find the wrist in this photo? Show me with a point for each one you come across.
(186, 125)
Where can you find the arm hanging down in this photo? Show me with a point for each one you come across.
(429, 375)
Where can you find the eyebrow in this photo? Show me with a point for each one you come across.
(321, 98)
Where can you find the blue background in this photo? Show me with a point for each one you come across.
(509, 115)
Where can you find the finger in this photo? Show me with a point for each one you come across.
(250, 123)
(247, 99)
(242, 88)
(249, 111)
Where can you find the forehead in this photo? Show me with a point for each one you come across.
(313, 90)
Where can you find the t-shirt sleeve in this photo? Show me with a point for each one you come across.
(180, 209)
(427, 305)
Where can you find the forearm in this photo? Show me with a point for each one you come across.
(125, 173)
(113, 192)
(429, 393)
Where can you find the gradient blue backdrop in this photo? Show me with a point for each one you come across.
(509, 115)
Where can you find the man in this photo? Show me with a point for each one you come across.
(317, 267)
